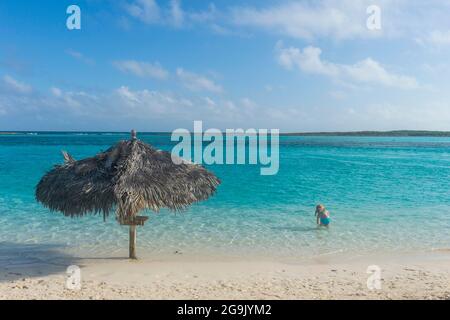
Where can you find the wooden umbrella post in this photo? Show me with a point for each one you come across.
(133, 242)
(133, 222)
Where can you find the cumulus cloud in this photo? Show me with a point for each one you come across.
(196, 82)
(366, 71)
(142, 69)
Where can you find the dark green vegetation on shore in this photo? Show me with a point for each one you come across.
(395, 133)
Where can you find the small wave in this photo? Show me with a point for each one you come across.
(441, 249)
(329, 253)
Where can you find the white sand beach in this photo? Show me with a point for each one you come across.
(407, 277)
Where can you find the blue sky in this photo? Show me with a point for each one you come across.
(158, 65)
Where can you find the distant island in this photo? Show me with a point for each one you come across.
(394, 133)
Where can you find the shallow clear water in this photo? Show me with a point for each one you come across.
(386, 195)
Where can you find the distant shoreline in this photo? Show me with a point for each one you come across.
(393, 133)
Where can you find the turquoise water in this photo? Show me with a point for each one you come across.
(386, 195)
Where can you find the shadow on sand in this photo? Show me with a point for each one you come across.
(19, 260)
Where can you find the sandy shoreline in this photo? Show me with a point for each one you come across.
(409, 277)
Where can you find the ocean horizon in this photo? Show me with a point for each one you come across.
(386, 195)
(385, 133)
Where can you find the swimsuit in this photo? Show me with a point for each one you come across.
(325, 221)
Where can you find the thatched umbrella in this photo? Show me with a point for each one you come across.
(127, 178)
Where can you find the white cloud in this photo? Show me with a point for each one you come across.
(440, 37)
(435, 38)
(346, 19)
(118, 109)
(339, 19)
(56, 92)
(371, 71)
(79, 56)
(205, 16)
(307, 60)
(142, 69)
(173, 14)
(150, 110)
(196, 82)
(16, 86)
(146, 11)
(128, 96)
(147, 102)
(366, 71)
(304, 19)
(74, 100)
(210, 102)
(177, 13)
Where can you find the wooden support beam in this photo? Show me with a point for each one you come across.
(134, 221)
(133, 242)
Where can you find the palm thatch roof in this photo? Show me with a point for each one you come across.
(127, 178)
